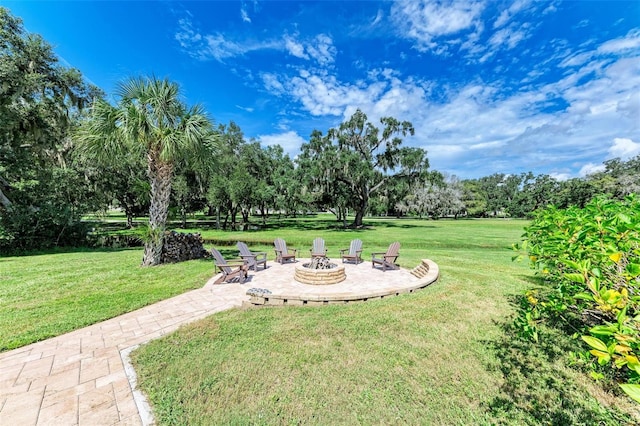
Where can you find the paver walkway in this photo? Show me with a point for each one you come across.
(79, 378)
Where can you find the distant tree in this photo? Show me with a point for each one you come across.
(619, 178)
(440, 198)
(247, 180)
(473, 198)
(225, 162)
(453, 197)
(151, 121)
(501, 191)
(363, 158)
(279, 188)
(187, 194)
(120, 183)
(323, 173)
(42, 192)
(534, 192)
(574, 192)
(289, 189)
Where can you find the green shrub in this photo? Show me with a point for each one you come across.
(590, 261)
(24, 228)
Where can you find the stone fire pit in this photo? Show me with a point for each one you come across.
(320, 272)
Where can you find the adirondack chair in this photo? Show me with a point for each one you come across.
(318, 249)
(386, 259)
(230, 269)
(253, 259)
(282, 254)
(353, 253)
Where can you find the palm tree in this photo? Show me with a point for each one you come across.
(149, 120)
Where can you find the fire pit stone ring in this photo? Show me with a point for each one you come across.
(307, 275)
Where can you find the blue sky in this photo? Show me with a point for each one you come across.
(490, 86)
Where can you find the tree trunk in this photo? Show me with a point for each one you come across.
(234, 214)
(245, 219)
(6, 203)
(263, 213)
(129, 214)
(360, 208)
(160, 174)
(226, 220)
(183, 215)
(358, 220)
(344, 219)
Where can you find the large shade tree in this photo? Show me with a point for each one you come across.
(149, 120)
(361, 158)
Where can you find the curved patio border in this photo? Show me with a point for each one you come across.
(427, 273)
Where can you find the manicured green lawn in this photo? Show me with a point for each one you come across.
(444, 355)
(45, 295)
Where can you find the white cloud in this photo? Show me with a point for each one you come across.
(564, 127)
(630, 42)
(272, 84)
(295, 48)
(508, 37)
(186, 34)
(576, 60)
(508, 13)
(560, 176)
(322, 49)
(217, 46)
(248, 109)
(378, 18)
(244, 15)
(624, 149)
(630, 106)
(244, 10)
(383, 94)
(425, 21)
(590, 168)
(289, 141)
(220, 47)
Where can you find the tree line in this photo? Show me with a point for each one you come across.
(66, 151)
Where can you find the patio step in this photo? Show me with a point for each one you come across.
(421, 270)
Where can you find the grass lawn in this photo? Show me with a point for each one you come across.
(444, 355)
(45, 295)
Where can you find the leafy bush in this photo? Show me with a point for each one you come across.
(590, 261)
(24, 228)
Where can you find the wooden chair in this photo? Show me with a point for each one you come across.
(282, 254)
(353, 253)
(253, 259)
(318, 249)
(230, 269)
(386, 259)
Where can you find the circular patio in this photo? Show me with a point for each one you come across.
(276, 286)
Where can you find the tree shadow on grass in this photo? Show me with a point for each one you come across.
(536, 390)
(535, 280)
(67, 250)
